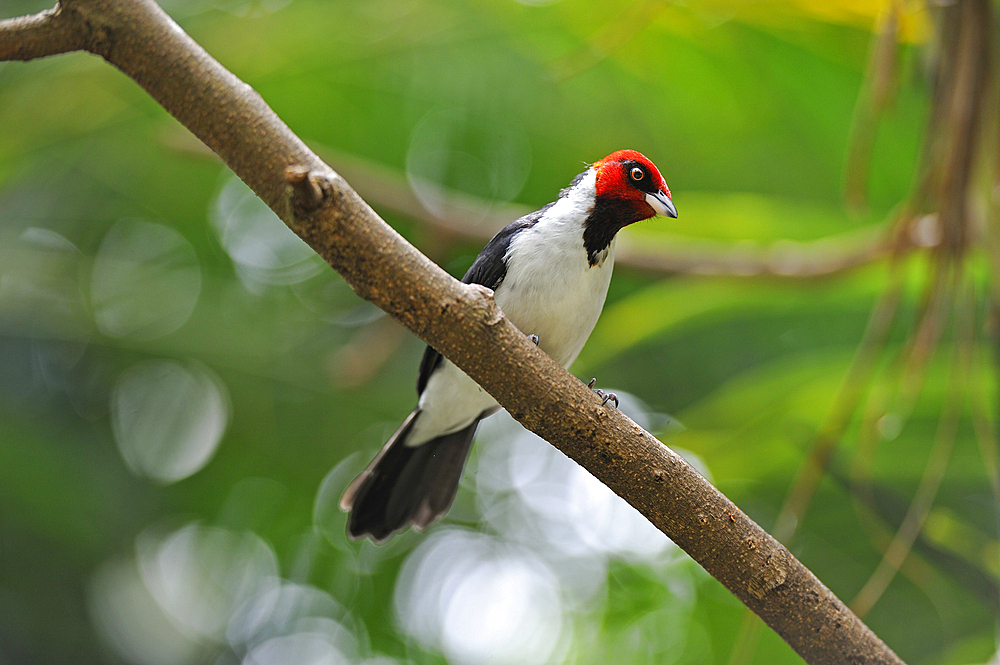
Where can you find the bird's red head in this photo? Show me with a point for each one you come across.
(627, 189)
(629, 176)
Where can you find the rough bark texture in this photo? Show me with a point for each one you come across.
(461, 321)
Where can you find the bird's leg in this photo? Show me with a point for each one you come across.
(608, 397)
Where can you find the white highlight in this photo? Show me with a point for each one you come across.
(441, 159)
(264, 253)
(480, 601)
(204, 576)
(206, 594)
(145, 282)
(133, 623)
(168, 418)
(530, 490)
(300, 648)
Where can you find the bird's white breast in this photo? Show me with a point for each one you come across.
(550, 290)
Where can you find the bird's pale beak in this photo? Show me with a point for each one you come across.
(661, 203)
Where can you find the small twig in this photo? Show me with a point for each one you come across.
(845, 404)
(924, 342)
(937, 462)
(878, 91)
(873, 504)
(872, 428)
(813, 469)
(782, 260)
(307, 192)
(983, 426)
(909, 371)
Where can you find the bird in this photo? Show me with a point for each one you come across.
(549, 271)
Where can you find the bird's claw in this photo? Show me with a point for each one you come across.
(607, 397)
(534, 339)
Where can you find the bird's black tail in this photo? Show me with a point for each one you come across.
(406, 484)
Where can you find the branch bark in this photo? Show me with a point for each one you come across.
(462, 321)
(39, 35)
(462, 215)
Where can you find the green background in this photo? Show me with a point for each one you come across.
(185, 389)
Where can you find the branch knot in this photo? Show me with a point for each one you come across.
(308, 189)
(483, 297)
(769, 573)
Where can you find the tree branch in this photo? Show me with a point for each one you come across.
(466, 216)
(36, 36)
(464, 323)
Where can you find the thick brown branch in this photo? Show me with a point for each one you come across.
(46, 33)
(464, 323)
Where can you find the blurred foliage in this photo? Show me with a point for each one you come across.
(185, 389)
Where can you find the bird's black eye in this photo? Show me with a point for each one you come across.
(637, 174)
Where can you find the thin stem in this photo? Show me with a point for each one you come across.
(845, 404)
(937, 463)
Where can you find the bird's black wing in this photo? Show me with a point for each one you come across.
(489, 269)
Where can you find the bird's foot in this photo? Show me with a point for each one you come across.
(534, 339)
(607, 397)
